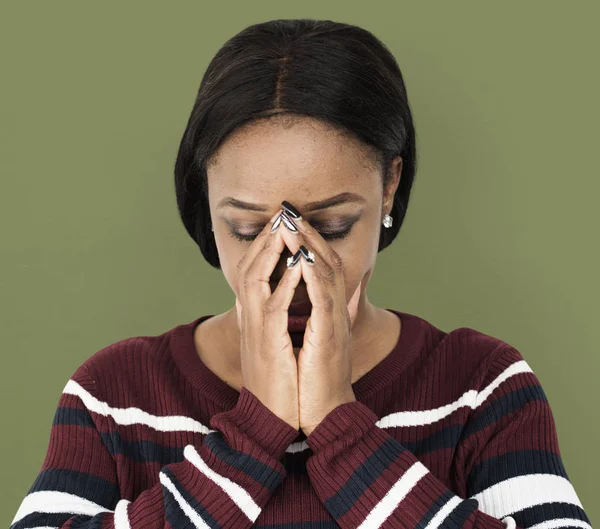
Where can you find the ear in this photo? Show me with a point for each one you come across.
(392, 186)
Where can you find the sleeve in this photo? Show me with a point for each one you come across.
(513, 475)
(224, 483)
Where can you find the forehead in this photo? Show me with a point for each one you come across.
(299, 158)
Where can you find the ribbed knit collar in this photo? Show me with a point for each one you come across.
(207, 382)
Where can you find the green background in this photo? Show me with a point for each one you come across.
(500, 235)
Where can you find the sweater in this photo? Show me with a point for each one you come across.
(450, 430)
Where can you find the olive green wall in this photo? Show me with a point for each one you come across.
(501, 233)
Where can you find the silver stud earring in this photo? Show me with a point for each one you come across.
(387, 220)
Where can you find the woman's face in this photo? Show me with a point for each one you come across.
(302, 161)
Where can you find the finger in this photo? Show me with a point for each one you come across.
(256, 247)
(323, 271)
(322, 297)
(327, 264)
(278, 304)
(258, 265)
(314, 241)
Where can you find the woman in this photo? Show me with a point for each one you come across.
(323, 408)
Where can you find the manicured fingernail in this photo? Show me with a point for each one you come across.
(276, 224)
(291, 210)
(291, 261)
(308, 255)
(289, 223)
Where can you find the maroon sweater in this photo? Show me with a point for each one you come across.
(450, 430)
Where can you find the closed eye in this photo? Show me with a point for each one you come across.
(327, 236)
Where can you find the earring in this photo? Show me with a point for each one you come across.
(387, 220)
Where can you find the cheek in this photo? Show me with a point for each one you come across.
(231, 253)
(358, 251)
(358, 255)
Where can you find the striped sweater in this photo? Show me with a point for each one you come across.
(451, 429)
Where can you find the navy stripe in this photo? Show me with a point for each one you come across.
(459, 515)
(515, 463)
(295, 464)
(173, 512)
(320, 524)
(80, 484)
(85, 522)
(262, 473)
(66, 415)
(363, 477)
(503, 406)
(79, 521)
(440, 501)
(447, 437)
(41, 519)
(146, 451)
(549, 511)
(142, 451)
(198, 507)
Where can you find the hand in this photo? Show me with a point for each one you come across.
(269, 367)
(325, 360)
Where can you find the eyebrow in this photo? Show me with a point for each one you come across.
(342, 198)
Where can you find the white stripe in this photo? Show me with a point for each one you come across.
(521, 492)
(561, 522)
(194, 517)
(50, 501)
(238, 494)
(470, 398)
(121, 519)
(175, 423)
(127, 416)
(443, 513)
(514, 369)
(423, 417)
(382, 511)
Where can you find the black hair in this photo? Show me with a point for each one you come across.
(337, 73)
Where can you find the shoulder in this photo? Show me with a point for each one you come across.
(120, 372)
(472, 355)
(472, 368)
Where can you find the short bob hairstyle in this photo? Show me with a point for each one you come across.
(337, 73)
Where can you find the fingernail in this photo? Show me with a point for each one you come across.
(289, 223)
(291, 210)
(276, 224)
(308, 255)
(291, 261)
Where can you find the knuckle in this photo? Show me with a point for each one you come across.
(336, 262)
(240, 265)
(270, 307)
(309, 230)
(330, 275)
(246, 281)
(328, 304)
